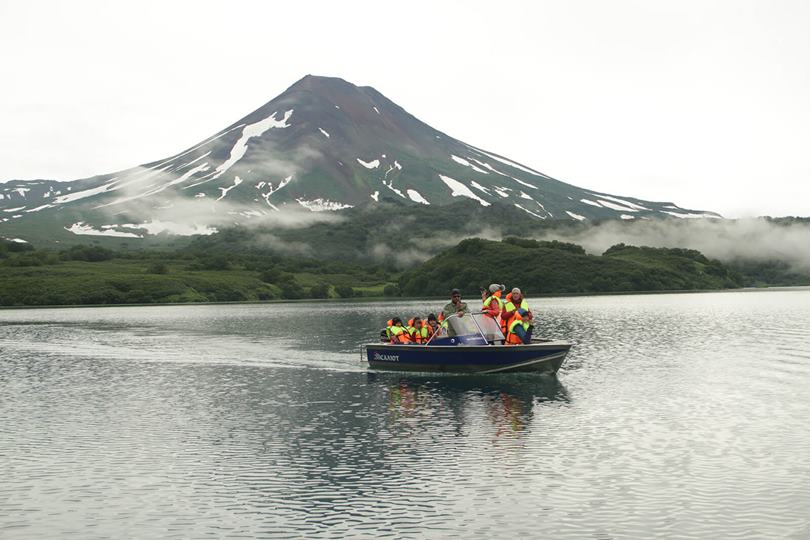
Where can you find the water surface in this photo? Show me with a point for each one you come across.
(675, 416)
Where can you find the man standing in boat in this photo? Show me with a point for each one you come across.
(456, 306)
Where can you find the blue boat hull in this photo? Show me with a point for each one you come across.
(544, 357)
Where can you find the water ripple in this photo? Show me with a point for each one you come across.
(676, 416)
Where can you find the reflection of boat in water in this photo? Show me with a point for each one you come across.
(469, 344)
(508, 403)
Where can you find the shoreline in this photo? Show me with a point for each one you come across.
(407, 298)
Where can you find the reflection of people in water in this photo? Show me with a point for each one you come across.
(403, 399)
(506, 413)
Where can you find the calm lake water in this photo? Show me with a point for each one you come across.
(682, 416)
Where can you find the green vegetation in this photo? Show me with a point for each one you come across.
(557, 267)
(359, 257)
(98, 275)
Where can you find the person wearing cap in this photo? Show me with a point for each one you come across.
(493, 305)
(516, 307)
(520, 330)
(456, 306)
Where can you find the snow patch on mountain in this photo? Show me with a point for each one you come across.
(622, 202)
(139, 177)
(617, 207)
(460, 190)
(155, 226)
(689, 215)
(326, 133)
(390, 185)
(415, 196)
(225, 190)
(322, 205)
(251, 131)
(369, 164)
(575, 216)
(81, 228)
(397, 165)
(590, 202)
(462, 161)
(193, 161)
(479, 187)
(38, 208)
(198, 169)
(190, 150)
(529, 211)
(375, 196)
(508, 162)
(625, 216)
(272, 189)
(76, 195)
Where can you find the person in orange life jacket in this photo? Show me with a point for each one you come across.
(417, 330)
(518, 318)
(515, 303)
(520, 330)
(432, 325)
(397, 332)
(492, 302)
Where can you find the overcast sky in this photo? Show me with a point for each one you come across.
(703, 103)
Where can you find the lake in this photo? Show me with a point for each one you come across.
(675, 415)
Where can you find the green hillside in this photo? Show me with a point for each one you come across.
(97, 275)
(556, 267)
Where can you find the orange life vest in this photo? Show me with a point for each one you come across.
(400, 337)
(511, 337)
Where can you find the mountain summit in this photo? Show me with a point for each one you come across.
(322, 145)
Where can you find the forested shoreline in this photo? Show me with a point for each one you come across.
(212, 271)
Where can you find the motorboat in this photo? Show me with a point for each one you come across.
(468, 343)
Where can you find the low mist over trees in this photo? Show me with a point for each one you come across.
(338, 261)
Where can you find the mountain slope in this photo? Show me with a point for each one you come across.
(323, 144)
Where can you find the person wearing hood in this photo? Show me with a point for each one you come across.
(493, 305)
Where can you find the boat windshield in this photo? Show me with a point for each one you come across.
(474, 324)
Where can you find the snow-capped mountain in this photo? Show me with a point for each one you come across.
(323, 145)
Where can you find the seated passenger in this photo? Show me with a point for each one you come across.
(432, 325)
(397, 332)
(515, 303)
(417, 330)
(520, 329)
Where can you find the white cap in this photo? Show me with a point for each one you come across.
(494, 288)
(515, 290)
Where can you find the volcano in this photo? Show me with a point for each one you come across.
(323, 145)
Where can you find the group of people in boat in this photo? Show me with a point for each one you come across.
(510, 311)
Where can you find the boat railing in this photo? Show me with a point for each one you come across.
(446, 323)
